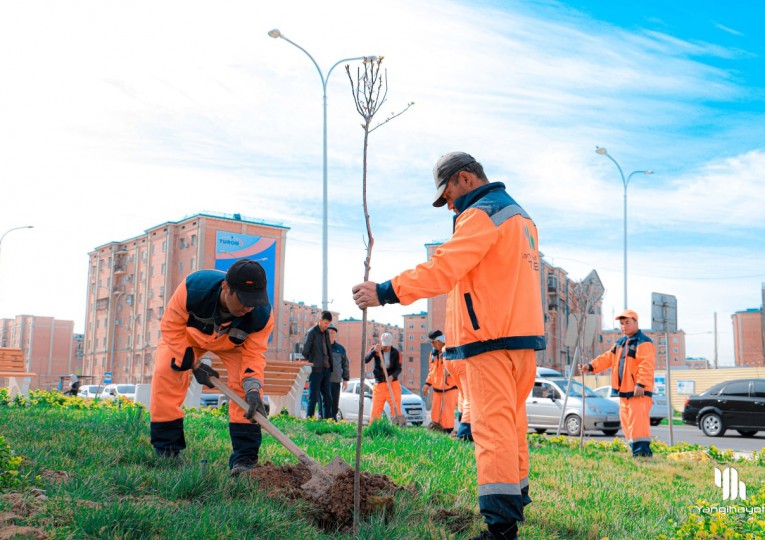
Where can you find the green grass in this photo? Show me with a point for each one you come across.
(117, 488)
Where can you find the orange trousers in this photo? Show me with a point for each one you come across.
(380, 395)
(442, 410)
(635, 416)
(499, 383)
(458, 369)
(169, 387)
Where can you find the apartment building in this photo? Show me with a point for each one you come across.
(48, 344)
(748, 337)
(130, 282)
(416, 351)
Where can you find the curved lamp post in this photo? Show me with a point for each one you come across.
(14, 229)
(276, 34)
(625, 182)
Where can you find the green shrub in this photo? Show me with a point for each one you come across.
(9, 466)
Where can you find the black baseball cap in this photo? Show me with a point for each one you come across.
(446, 167)
(330, 327)
(248, 280)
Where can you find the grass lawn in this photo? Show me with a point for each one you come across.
(90, 472)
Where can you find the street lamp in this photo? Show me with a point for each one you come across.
(276, 34)
(625, 182)
(14, 229)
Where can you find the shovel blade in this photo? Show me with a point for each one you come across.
(323, 476)
(399, 420)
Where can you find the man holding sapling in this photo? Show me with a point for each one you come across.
(490, 268)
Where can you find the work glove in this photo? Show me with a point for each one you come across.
(256, 404)
(203, 373)
(187, 363)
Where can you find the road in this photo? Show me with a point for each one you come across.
(690, 434)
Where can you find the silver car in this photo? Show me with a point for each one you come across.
(348, 408)
(658, 409)
(544, 408)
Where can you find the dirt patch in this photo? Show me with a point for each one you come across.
(21, 533)
(25, 504)
(54, 476)
(334, 510)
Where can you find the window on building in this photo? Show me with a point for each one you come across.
(164, 268)
(153, 250)
(411, 337)
(411, 347)
(193, 264)
(164, 246)
(161, 311)
(674, 350)
(180, 267)
(142, 275)
(151, 271)
(182, 244)
(193, 239)
(411, 326)
(411, 358)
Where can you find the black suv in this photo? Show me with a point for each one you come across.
(737, 404)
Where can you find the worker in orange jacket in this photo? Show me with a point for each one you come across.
(632, 360)
(228, 314)
(442, 383)
(490, 268)
(385, 390)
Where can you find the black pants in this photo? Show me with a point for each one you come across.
(318, 385)
(335, 388)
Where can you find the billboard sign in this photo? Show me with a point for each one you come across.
(230, 247)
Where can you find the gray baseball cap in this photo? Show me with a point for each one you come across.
(446, 166)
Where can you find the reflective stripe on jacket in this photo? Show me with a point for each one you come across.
(491, 269)
(638, 365)
(439, 377)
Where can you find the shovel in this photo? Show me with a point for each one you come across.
(398, 419)
(321, 476)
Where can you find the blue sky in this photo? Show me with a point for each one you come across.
(118, 116)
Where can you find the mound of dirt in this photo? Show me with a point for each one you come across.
(334, 510)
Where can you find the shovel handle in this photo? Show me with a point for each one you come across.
(388, 381)
(272, 430)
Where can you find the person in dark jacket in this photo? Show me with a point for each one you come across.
(390, 389)
(316, 349)
(341, 373)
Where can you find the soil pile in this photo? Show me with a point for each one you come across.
(334, 510)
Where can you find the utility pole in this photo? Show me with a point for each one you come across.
(715, 340)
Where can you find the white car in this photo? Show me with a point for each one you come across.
(348, 408)
(114, 391)
(90, 391)
(658, 409)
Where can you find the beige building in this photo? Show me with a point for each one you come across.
(416, 351)
(130, 282)
(48, 344)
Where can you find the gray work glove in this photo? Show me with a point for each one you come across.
(203, 373)
(256, 404)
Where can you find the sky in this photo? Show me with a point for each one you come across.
(118, 116)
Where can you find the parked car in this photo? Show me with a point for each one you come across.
(114, 391)
(90, 391)
(548, 372)
(413, 405)
(658, 409)
(544, 408)
(738, 404)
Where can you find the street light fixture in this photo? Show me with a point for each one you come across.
(625, 182)
(14, 229)
(276, 34)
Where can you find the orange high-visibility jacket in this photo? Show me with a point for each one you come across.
(192, 319)
(439, 377)
(491, 269)
(639, 364)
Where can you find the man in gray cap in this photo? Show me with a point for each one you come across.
(490, 268)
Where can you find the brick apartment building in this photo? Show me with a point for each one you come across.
(130, 281)
(298, 319)
(49, 347)
(748, 337)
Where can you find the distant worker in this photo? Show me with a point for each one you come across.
(341, 372)
(75, 385)
(490, 268)
(317, 350)
(228, 314)
(444, 387)
(632, 360)
(385, 390)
